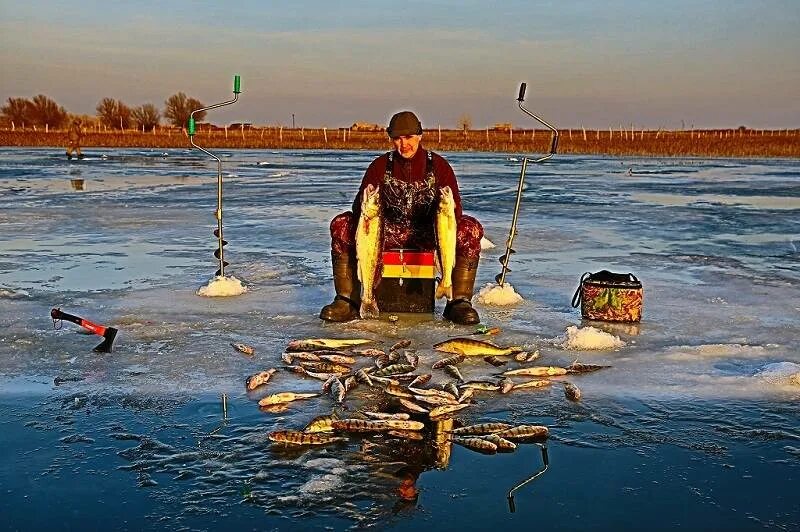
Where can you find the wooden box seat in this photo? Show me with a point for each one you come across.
(408, 281)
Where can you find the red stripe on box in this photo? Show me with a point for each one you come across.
(418, 258)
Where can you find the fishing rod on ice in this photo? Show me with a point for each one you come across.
(221, 242)
(501, 277)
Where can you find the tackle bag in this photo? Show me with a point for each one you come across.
(608, 296)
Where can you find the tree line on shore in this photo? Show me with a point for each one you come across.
(44, 112)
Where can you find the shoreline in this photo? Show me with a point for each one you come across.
(694, 143)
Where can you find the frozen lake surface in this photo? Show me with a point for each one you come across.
(696, 425)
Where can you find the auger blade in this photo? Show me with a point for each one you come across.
(499, 276)
(219, 272)
(217, 251)
(505, 258)
(216, 232)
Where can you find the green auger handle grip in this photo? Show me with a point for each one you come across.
(237, 84)
(191, 126)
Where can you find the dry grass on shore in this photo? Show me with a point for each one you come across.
(700, 143)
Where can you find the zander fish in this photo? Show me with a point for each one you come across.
(338, 359)
(259, 379)
(284, 397)
(473, 347)
(446, 241)
(368, 246)
(420, 380)
(295, 437)
(316, 344)
(412, 406)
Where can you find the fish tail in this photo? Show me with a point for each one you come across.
(369, 310)
(444, 291)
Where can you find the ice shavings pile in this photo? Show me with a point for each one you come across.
(589, 338)
(221, 286)
(500, 296)
(486, 243)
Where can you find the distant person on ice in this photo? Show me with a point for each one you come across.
(410, 180)
(74, 139)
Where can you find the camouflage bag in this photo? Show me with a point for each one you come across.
(608, 296)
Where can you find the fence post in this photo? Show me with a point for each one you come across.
(325, 134)
(440, 133)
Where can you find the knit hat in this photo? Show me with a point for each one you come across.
(404, 123)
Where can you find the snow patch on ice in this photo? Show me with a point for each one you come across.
(585, 338)
(486, 243)
(780, 373)
(692, 352)
(221, 286)
(500, 296)
(10, 293)
(321, 484)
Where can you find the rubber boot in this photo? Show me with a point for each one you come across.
(348, 290)
(459, 310)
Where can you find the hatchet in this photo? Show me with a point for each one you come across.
(108, 333)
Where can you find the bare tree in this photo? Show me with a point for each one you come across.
(16, 110)
(114, 114)
(179, 107)
(147, 116)
(465, 123)
(44, 111)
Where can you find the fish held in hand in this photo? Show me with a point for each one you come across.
(368, 246)
(474, 347)
(446, 241)
(285, 397)
(259, 379)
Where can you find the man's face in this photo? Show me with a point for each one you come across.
(407, 145)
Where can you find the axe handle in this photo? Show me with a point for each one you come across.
(99, 330)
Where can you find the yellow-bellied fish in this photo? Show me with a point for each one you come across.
(446, 241)
(368, 246)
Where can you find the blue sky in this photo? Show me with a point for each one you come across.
(595, 64)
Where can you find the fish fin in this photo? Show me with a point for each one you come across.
(369, 310)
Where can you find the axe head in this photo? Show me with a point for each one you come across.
(108, 340)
